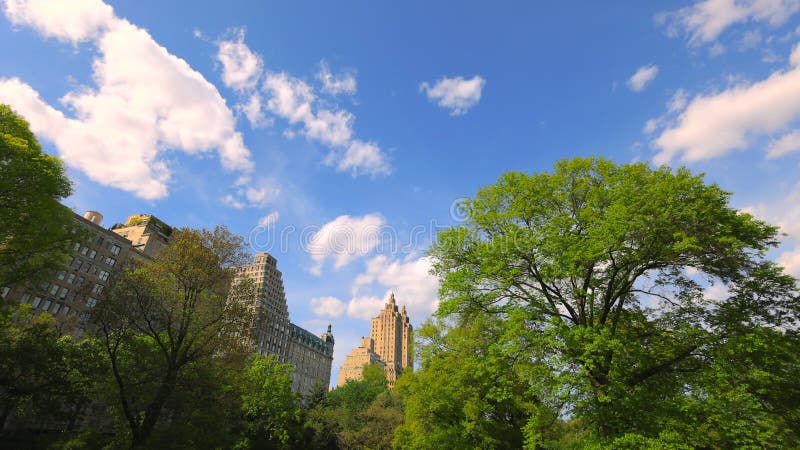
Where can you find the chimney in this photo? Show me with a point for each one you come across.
(94, 217)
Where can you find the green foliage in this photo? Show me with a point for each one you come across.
(468, 393)
(271, 409)
(597, 271)
(36, 228)
(165, 319)
(44, 377)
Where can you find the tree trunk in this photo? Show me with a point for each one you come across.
(153, 410)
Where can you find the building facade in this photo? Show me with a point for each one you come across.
(389, 344)
(353, 366)
(71, 294)
(272, 333)
(391, 332)
(146, 233)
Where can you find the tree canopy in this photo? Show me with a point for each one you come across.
(600, 271)
(36, 228)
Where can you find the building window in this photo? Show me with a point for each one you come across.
(36, 301)
(84, 317)
(25, 298)
(46, 305)
(78, 264)
(80, 282)
(99, 241)
(65, 311)
(54, 289)
(71, 278)
(111, 261)
(84, 251)
(115, 249)
(63, 292)
(104, 275)
(62, 274)
(91, 301)
(92, 254)
(56, 307)
(86, 267)
(98, 289)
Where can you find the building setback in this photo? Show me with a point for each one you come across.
(271, 332)
(390, 342)
(353, 366)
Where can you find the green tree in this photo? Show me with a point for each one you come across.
(600, 271)
(272, 411)
(164, 317)
(45, 378)
(36, 228)
(470, 392)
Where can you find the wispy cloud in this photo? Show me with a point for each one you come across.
(643, 76)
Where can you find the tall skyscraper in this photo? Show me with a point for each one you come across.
(390, 341)
(271, 332)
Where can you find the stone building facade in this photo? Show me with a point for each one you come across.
(272, 333)
(361, 356)
(146, 233)
(70, 295)
(391, 332)
(389, 342)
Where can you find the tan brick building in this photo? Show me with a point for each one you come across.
(390, 340)
(361, 356)
(271, 332)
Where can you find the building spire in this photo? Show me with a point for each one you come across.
(391, 298)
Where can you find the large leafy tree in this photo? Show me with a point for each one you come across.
(470, 392)
(35, 229)
(165, 318)
(600, 270)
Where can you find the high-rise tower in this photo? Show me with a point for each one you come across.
(391, 333)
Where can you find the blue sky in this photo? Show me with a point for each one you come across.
(349, 129)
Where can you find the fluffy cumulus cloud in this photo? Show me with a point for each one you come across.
(643, 76)
(241, 67)
(294, 100)
(327, 306)
(456, 94)
(343, 83)
(74, 21)
(146, 101)
(704, 21)
(410, 280)
(344, 240)
(712, 125)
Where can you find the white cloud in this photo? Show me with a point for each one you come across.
(147, 101)
(788, 143)
(410, 280)
(364, 307)
(456, 94)
(715, 124)
(704, 21)
(785, 213)
(327, 306)
(643, 76)
(364, 157)
(254, 111)
(678, 101)
(344, 83)
(269, 220)
(241, 67)
(716, 293)
(293, 99)
(73, 21)
(344, 240)
(258, 195)
(790, 261)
